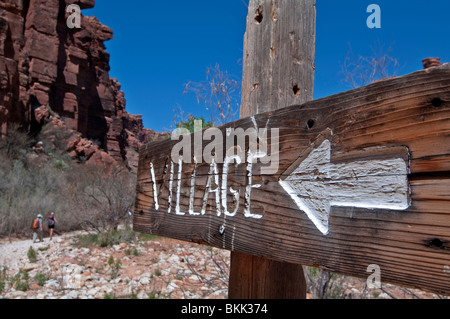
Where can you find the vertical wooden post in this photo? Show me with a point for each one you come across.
(279, 53)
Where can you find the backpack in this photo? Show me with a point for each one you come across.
(36, 223)
(51, 221)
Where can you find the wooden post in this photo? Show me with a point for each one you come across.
(279, 52)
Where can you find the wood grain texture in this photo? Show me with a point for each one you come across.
(278, 71)
(412, 247)
(279, 54)
(257, 277)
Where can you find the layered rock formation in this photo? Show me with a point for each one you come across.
(43, 62)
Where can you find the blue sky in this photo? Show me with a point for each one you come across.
(159, 46)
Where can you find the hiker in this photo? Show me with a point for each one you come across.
(51, 224)
(37, 229)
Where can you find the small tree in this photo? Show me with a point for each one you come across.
(219, 93)
(31, 254)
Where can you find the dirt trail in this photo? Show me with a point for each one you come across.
(12, 251)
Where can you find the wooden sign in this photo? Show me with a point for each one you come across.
(356, 179)
(316, 183)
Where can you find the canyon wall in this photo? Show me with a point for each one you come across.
(44, 63)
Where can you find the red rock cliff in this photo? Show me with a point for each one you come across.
(45, 63)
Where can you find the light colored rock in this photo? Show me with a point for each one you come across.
(174, 259)
(142, 295)
(171, 287)
(71, 295)
(144, 281)
(30, 266)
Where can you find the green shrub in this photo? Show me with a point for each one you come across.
(32, 256)
(107, 238)
(60, 165)
(147, 237)
(114, 267)
(41, 279)
(86, 241)
(22, 285)
(20, 280)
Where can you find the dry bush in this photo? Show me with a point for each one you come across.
(323, 284)
(14, 146)
(55, 139)
(34, 183)
(101, 196)
(219, 93)
(361, 70)
(26, 192)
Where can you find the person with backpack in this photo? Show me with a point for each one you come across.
(51, 224)
(37, 229)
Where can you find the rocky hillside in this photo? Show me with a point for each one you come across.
(44, 63)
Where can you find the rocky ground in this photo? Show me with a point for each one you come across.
(156, 268)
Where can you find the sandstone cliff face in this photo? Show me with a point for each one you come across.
(45, 63)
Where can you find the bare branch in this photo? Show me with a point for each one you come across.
(220, 95)
(364, 70)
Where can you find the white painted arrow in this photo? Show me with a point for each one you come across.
(317, 185)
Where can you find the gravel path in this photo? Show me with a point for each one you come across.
(11, 252)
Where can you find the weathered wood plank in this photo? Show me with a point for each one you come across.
(409, 115)
(279, 53)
